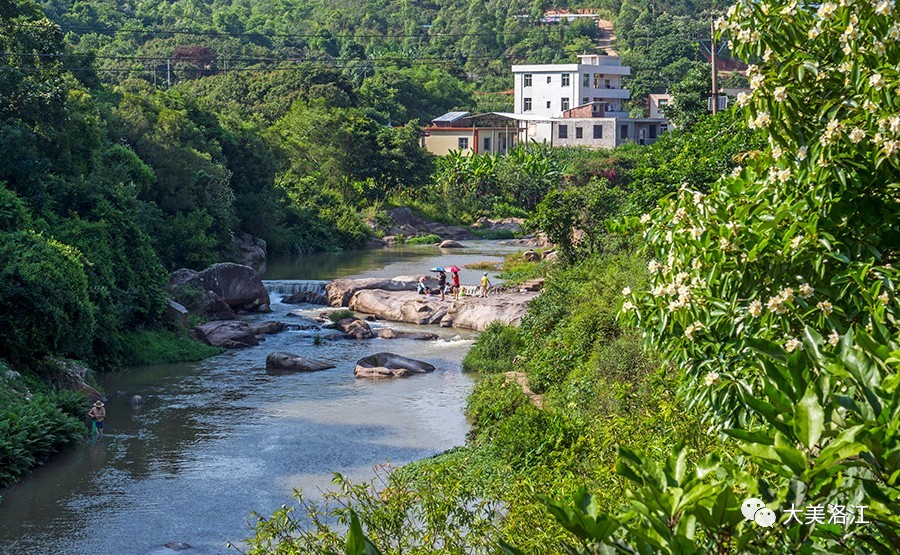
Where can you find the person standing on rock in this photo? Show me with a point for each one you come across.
(485, 283)
(442, 283)
(98, 415)
(456, 286)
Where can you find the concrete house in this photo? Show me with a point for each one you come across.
(576, 105)
(551, 89)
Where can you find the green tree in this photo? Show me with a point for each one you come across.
(44, 303)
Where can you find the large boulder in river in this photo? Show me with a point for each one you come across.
(355, 328)
(267, 328)
(231, 334)
(471, 312)
(310, 297)
(340, 290)
(388, 333)
(450, 244)
(389, 365)
(238, 285)
(288, 362)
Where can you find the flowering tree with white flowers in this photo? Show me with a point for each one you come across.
(775, 294)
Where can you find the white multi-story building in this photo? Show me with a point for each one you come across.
(551, 89)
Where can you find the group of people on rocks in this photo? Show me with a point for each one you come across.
(454, 289)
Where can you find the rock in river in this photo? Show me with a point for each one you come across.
(231, 334)
(238, 285)
(390, 365)
(355, 328)
(288, 362)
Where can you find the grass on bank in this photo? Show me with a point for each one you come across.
(516, 269)
(600, 389)
(149, 347)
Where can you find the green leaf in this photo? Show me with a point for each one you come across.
(809, 418)
(357, 542)
(767, 348)
(790, 455)
(841, 447)
(507, 549)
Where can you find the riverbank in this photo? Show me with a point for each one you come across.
(220, 438)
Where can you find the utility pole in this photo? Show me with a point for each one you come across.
(168, 73)
(712, 57)
(154, 76)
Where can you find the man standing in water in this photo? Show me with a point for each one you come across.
(98, 415)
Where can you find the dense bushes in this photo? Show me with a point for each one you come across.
(32, 429)
(576, 314)
(44, 303)
(494, 351)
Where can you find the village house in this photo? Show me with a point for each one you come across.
(561, 104)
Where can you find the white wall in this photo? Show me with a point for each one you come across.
(607, 78)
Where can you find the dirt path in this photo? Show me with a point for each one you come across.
(607, 37)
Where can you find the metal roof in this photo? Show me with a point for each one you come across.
(450, 117)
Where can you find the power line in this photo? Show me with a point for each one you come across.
(301, 65)
(172, 32)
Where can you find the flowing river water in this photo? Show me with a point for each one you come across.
(221, 438)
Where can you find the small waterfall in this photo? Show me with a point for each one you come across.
(291, 286)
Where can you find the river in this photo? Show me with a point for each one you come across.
(221, 438)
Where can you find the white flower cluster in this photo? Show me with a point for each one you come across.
(762, 120)
(792, 345)
(826, 10)
(712, 378)
(777, 303)
(832, 132)
(692, 329)
(680, 288)
(834, 338)
(887, 127)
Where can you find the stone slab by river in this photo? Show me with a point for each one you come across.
(221, 438)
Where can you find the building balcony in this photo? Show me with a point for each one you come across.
(604, 69)
(604, 93)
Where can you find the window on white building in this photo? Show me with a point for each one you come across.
(607, 84)
(586, 80)
(526, 105)
(565, 80)
(549, 79)
(651, 132)
(526, 80)
(548, 104)
(564, 103)
(598, 77)
(563, 131)
(579, 133)
(463, 143)
(487, 144)
(585, 100)
(623, 132)
(598, 131)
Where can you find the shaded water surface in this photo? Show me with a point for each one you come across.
(221, 438)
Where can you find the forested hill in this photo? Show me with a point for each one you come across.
(138, 137)
(470, 40)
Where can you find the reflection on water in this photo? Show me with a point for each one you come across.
(218, 439)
